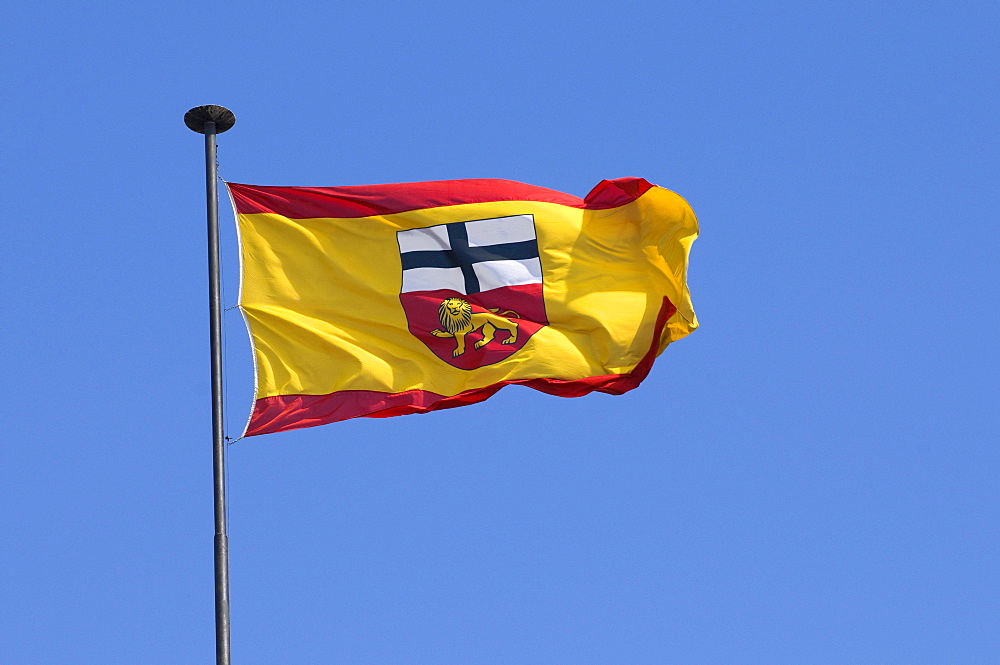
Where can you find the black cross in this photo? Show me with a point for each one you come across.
(462, 256)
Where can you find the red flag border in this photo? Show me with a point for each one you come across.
(370, 200)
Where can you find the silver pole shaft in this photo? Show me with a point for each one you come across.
(222, 647)
(210, 120)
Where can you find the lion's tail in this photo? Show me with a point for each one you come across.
(509, 313)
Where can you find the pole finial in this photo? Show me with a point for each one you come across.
(196, 118)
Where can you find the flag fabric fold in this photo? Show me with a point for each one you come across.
(386, 300)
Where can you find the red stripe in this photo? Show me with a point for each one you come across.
(368, 200)
(287, 412)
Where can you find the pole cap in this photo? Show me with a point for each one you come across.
(196, 118)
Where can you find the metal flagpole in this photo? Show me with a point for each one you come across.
(211, 120)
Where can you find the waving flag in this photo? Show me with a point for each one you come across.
(385, 300)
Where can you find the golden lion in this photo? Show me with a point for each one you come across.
(458, 320)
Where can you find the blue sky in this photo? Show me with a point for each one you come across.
(811, 477)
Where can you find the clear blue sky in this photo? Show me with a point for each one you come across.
(811, 477)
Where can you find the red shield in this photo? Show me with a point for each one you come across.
(522, 307)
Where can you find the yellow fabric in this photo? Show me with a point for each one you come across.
(321, 296)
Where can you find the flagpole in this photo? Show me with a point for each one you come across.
(211, 120)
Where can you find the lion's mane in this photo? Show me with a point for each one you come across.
(454, 322)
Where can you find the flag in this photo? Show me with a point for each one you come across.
(386, 300)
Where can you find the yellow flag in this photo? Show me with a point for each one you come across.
(386, 300)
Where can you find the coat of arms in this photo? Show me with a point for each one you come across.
(472, 291)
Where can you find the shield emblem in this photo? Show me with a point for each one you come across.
(472, 291)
